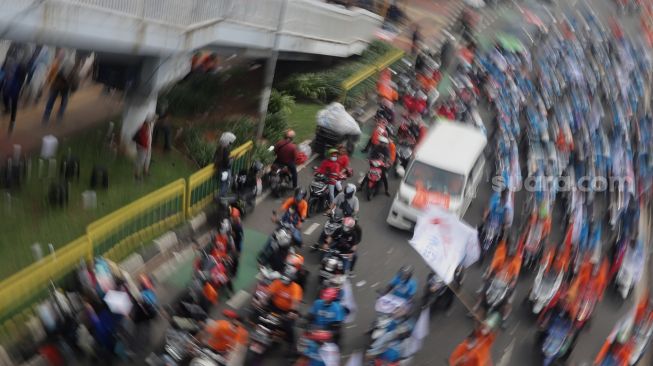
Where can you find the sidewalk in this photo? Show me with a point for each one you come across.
(86, 108)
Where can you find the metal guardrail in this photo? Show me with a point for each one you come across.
(202, 186)
(371, 70)
(114, 236)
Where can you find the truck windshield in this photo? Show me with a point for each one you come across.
(435, 179)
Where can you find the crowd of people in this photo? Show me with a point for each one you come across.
(30, 71)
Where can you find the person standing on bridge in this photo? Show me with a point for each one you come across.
(15, 73)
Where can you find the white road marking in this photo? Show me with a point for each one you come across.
(374, 284)
(311, 228)
(361, 283)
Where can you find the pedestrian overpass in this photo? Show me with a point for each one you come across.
(162, 34)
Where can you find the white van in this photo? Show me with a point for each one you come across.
(446, 169)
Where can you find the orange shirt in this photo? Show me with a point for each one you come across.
(302, 206)
(393, 152)
(285, 297)
(499, 257)
(210, 293)
(478, 355)
(224, 336)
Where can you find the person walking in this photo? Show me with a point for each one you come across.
(62, 80)
(143, 140)
(15, 73)
(222, 162)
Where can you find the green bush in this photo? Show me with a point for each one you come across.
(200, 150)
(244, 127)
(325, 86)
(280, 102)
(276, 125)
(262, 154)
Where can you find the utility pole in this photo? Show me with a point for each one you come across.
(270, 67)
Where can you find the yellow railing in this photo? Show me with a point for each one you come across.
(371, 70)
(114, 236)
(202, 187)
(118, 234)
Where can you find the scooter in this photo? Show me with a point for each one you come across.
(630, 269)
(496, 294)
(641, 339)
(557, 339)
(280, 180)
(533, 241)
(318, 194)
(267, 332)
(373, 177)
(489, 236)
(332, 229)
(332, 266)
(546, 286)
(388, 309)
(404, 153)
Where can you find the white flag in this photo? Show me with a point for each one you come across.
(349, 302)
(421, 331)
(445, 242)
(356, 359)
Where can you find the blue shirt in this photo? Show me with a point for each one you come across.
(326, 315)
(404, 289)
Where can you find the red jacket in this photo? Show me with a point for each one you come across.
(331, 169)
(143, 138)
(286, 152)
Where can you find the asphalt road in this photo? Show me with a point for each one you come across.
(384, 250)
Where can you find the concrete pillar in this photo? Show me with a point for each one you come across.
(156, 73)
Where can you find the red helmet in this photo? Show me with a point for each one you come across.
(329, 294)
(295, 260)
(320, 335)
(231, 314)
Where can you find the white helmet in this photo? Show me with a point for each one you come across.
(282, 236)
(383, 140)
(225, 226)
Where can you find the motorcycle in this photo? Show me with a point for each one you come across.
(641, 339)
(245, 189)
(373, 177)
(332, 229)
(388, 309)
(489, 236)
(586, 307)
(496, 294)
(261, 296)
(267, 332)
(437, 292)
(332, 266)
(546, 286)
(404, 153)
(533, 241)
(557, 339)
(630, 269)
(280, 180)
(318, 194)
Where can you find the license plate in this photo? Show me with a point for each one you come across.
(256, 348)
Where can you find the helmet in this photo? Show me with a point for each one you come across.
(290, 134)
(350, 190)
(231, 314)
(320, 335)
(295, 260)
(227, 139)
(332, 151)
(282, 236)
(406, 272)
(257, 166)
(300, 194)
(235, 212)
(348, 223)
(225, 226)
(383, 140)
(329, 294)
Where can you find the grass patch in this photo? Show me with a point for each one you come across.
(28, 218)
(302, 119)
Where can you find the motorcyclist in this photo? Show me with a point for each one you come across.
(343, 161)
(327, 313)
(286, 151)
(381, 151)
(616, 351)
(347, 201)
(313, 349)
(380, 130)
(475, 350)
(298, 200)
(499, 209)
(347, 243)
(285, 298)
(331, 169)
(222, 336)
(506, 262)
(403, 284)
(224, 246)
(276, 251)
